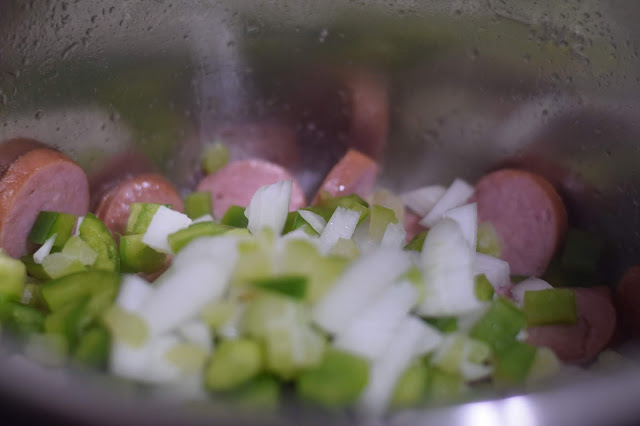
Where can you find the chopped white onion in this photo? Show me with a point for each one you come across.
(341, 225)
(164, 223)
(447, 266)
(363, 239)
(369, 333)
(134, 291)
(530, 284)
(496, 270)
(455, 196)
(422, 200)
(223, 249)
(466, 217)
(204, 218)
(232, 328)
(78, 223)
(269, 207)
(129, 362)
(361, 283)
(44, 250)
(159, 369)
(394, 236)
(316, 221)
(198, 333)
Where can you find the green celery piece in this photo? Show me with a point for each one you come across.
(500, 325)
(294, 286)
(97, 235)
(444, 386)
(140, 216)
(461, 349)
(57, 265)
(351, 201)
(13, 275)
(234, 216)
(551, 306)
(444, 324)
(76, 248)
(215, 314)
(20, 319)
(381, 217)
(233, 363)
(136, 256)
(488, 240)
(34, 269)
(71, 288)
(483, 288)
(93, 348)
(49, 223)
(214, 157)
(582, 251)
(514, 363)
(198, 204)
(337, 382)
(417, 242)
(411, 387)
(260, 393)
(181, 238)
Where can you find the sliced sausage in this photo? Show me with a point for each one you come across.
(627, 299)
(41, 179)
(581, 342)
(119, 168)
(528, 215)
(237, 182)
(13, 148)
(113, 210)
(412, 224)
(355, 173)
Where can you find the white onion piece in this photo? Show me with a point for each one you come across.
(164, 223)
(341, 225)
(363, 240)
(530, 284)
(223, 249)
(183, 291)
(134, 291)
(232, 328)
(129, 362)
(197, 333)
(386, 370)
(159, 369)
(422, 200)
(44, 250)
(316, 221)
(467, 218)
(204, 218)
(361, 283)
(394, 236)
(455, 196)
(496, 270)
(447, 266)
(370, 332)
(269, 207)
(76, 232)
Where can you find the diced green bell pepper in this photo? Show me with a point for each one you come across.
(483, 288)
(75, 287)
(93, 348)
(98, 237)
(198, 204)
(233, 363)
(294, 286)
(514, 363)
(234, 216)
(136, 256)
(140, 216)
(181, 238)
(551, 306)
(13, 275)
(500, 325)
(214, 157)
(49, 223)
(417, 242)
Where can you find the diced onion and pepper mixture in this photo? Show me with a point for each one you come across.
(327, 302)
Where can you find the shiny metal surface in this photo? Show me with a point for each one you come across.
(549, 85)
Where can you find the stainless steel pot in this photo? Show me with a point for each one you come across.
(473, 84)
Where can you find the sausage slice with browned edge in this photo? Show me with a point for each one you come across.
(237, 182)
(528, 215)
(40, 179)
(355, 173)
(113, 210)
(581, 342)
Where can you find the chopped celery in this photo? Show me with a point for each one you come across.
(417, 242)
(345, 248)
(233, 363)
(411, 386)
(458, 353)
(444, 324)
(483, 288)
(48, 224)
(217, 313)
(97, 235)
(214, 157)
(13, 275)
(581, 252)
(93, 348)
(500, 325)
(57, 265)
(260, 393)
(351, 202)
(234, 216)
(126, 326)
(140, 216)
(34, 269)
(336, 382)
(76, 248)
(444, 386)
(20, 319)
(136, 256)
(181, 238)
(189, 357)
(552, 306)
(514, 363)
(488, 240)
(198, 204)
(381, 217)
(46, 349)
(74, 287)
(294, 286)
